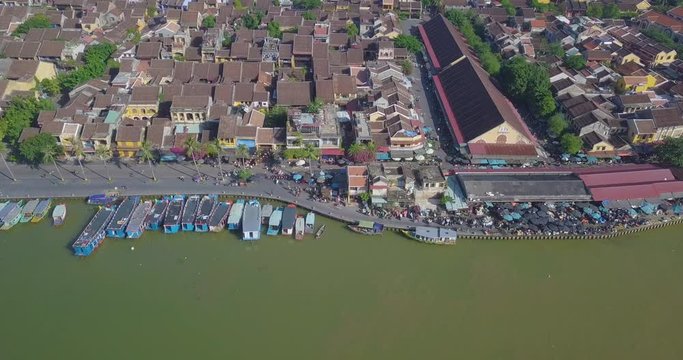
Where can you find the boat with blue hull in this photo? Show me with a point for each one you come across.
(235, 217)
(136, 226)
(201, 222)
(172, 218)
(155, 218)
(251, 221)
(41, 210)
(93, 234)
(117, 226)
(219, 216)
(29, 210)
(102, 199)
(190, 213)
(274, 222)
(11, 214)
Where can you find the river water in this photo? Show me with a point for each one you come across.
(210, 296)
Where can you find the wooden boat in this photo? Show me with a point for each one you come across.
(11, 214)
(117, 226)
(251, 221)
(172, 218)
(310, 223)
(274, 222)
(266, 213)
(41, 210)
(136, 226)
(288, 219)
(219, 216)
(190, 213)
(156, 216)
(29, 210)
(94, 232)
(235, 216)
(367, 228)
(430, 235)
(319, 233)
(201, 222)
(59, 214)
(299, 228)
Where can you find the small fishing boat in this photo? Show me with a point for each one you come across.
(190, 213)
(274, 222)
(299, 228)
(94, 232)
(102, 199)
(136, 226)
(251, 221)
(59, 214)
(201, 222)
(156, 216)
(266, 212)
(235, 217)
(41, 210)
(11, 214)
(219, 216)
(319, 233)
(172, 218)
(288, 219)
(310, 223)
(367, 228)
(29, 210)
(117, 226)
(430, 235)
(3, 204)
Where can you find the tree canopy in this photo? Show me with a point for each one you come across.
(95, 59)
(509, 8)
(37, 21)
(576, 62)
(209, 22)
(409, 42)
(252, 20)
(308, 4)
(19, 114)
(307, 15)
(352, 29)
(276, 117)
(274, 30)
(315, 106)
(473, 30)
(529, 83)
(670, 152)
(557, 125)
(33, 149)
(571, 143)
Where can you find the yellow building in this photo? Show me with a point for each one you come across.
(643, 5)
(630, 57)
(639, 84)
(227, 131)
(129, 140)
(143, 104)
(502, 134)
(655, 125)
(545, 2)
(23, 74)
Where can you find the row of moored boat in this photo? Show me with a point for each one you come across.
(14, 212)
(130, 217)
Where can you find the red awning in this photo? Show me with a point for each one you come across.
(332, 152)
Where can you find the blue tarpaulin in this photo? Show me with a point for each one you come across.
(297, 177)
(382, 156)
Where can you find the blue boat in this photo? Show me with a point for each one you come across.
(235, 216)
(201, 222)
(117, 226)
(136, 226)
(93, 234)
(274, 222)
(156, 217)
(251, 221)
(172, 218)
(190, 213)
(101, 199)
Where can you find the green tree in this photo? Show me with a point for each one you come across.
(445, 199)
(310, 153)
(50, 154)
(308, 4)
(147, 154)
(95, 59)
(594, 10)
(474, 30)
(670, 152)
(576, 62)
(192, 148)
(32, 148)
(49, 87)
(352, 29)
(134, 35)
(355, 149)
(509, 8)
(409, 42)
(151, 11)
(276, 117)
(528, 83)
(227, 41)
(215, 150)
(244, 175)
(274, 30)
(365, 197)
(104, 153)
(407, 67)
(21, 113)
(242, 152)
(557, 125)
(611, 11)
(315, 106)
(37, 21)
(3, 150)
(251, 20)
(239, 5)
(79, 153)
(556, 49)
(209, 22)
(307, 15)
(543, 104)
(571, 143)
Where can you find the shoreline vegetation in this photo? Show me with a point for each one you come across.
(403, 229)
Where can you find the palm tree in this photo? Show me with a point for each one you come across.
(146, 154)
(3, 150)
(355, 149)
(79, 153)
(104, 153)
(191, 148)
(242, 151)
(311, 153)
(215, 150)
(50, 155)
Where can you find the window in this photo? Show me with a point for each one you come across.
(503, 129)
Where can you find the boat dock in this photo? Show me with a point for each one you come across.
(93, 234)
(156, 216)
(219, 216)
(201, 223)
(235, 216)
(136, 225)
(190, 213)
(274, 222)
(172, 218)
(117, 226)
(251, 221)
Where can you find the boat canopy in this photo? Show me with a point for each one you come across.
(366, 224)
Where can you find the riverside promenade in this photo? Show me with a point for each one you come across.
(135, 179)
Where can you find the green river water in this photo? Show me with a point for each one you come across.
(210, 296)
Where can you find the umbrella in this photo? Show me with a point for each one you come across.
(300, 163)
(429, 151)
(419, 157)
(507, 217)
(322, 173)
(321, 179)
(516, 215)
(297, 177)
